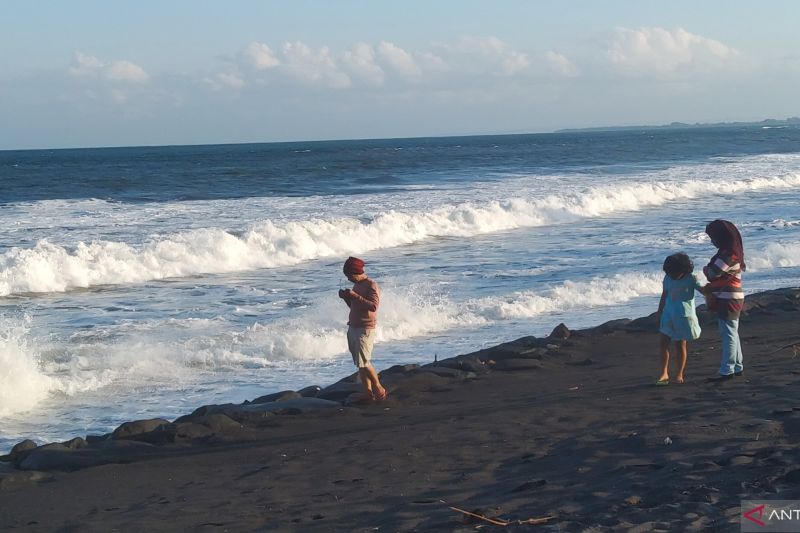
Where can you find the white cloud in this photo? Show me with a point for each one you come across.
(122, 70)
(398, 59)
(313, 66)
(469, 60)
(225, 80)
(260, 56)
(360, 62)
(125, 71)
(487, 55)
(559, 64)
(658, 51)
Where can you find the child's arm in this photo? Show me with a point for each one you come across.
(699, 287)
(720, 264)
(662, 302)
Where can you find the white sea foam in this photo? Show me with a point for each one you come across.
(570, 295)
(22, 382)
(48, 267)
(774, 255)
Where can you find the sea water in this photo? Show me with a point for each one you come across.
(145, 282)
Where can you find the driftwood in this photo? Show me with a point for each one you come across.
(795, 346)
(501, 522)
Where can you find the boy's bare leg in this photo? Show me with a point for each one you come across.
(680, 348)
(366, 382)
(369, 378)
(664, 351)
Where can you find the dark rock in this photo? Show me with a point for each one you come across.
(446, 372)
(76, 444)
(414, 382)
(254, 413)
(528, 485)
(112, 444)
(93, 440)
(613, 325)
(53, 446)
(507, 350)
(302, 405)
(583, 362)
(218, 423)
(131, 429)
(63, 459)
(340, 391)
(561, 331)
(21, 447)
(278, 397)
(467, 363)
(16, 478)
(310, 392)
(648, 323)
(399, 369)
(517, 364)
(472, 364)
(192, 431)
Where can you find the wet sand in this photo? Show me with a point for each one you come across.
(569, 429)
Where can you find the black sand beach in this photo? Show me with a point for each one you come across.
(569, 430)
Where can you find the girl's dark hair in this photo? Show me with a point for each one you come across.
(677, 264)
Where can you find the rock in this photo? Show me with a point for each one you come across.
(528, 485)
(93, 440)
(218, 423)
(613, 325)
(472, 364)
(190, 431)
(648, 323)
(399, 369)
(76, 444)
(21, 447)
(248, 414)
(446, 372)
(561, 331)
(339, 391)
(16, 478)
(508, 350)
(131, 429)
(53, 446)
(301, 405)
(310, 392)
(278, 397)
(517, 364)
(633, 500)
(62, 459)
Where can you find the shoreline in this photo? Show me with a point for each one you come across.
(569, 427)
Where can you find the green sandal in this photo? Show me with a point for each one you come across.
(662, 382)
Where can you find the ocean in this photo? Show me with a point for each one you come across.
(145, 282)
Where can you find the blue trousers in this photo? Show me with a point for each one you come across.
(731, 347)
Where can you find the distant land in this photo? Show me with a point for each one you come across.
(769, 122)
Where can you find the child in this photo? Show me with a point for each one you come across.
(678, 321)
(724, 273)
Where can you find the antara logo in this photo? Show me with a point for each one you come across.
(750, 515)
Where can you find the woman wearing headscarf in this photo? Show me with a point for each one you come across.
(724, 273)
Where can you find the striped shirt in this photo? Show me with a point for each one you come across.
(724, 274)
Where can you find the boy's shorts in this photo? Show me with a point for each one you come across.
(360, 342)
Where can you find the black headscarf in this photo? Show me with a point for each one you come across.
(728, 238)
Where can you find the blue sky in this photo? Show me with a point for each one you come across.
(99, 73)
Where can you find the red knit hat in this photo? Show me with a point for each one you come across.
(352, 266)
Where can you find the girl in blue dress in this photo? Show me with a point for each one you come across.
(677, 316)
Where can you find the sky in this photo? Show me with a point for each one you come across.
(97, 73)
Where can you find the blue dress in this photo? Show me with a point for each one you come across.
(679, 318)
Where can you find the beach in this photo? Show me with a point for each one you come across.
(567, 431)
